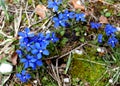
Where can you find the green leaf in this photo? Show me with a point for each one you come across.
(64, 41)
(77, 34)
(68, 63)
(62, 33)
(82, 39)
(107, 14)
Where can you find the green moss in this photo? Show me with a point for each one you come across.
(87, 71)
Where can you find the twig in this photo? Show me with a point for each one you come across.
(57, 72)
(72, 51)
(29, 24)
(91, 61)
(100, 77)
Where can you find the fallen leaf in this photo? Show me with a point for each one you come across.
(48, 62)
(13, 58)
(28, 85)
(77, 4)
(41, 10)
(103, 19)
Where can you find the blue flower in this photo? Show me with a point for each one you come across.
(20, 53)
(54, 4)
(23, 76)
(100, 38)
(80, 17)
(26, 33)
(110, 30)
(39, 49)
(53, 38)
(112, 41)
(68, 15)
(42, 39)
(59, 21)
(95, 25)
(25, 38)
(31, 61)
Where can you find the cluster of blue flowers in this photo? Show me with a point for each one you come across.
(32, 49)
(63, 18)
(54, 4)
(110, 32)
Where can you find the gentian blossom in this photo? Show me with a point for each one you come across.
(54, 4)
(100, 38)
(112, 41)
(32, 49)
(31, 61)
(23, 76)
(39, 50)
(53, 37)
(110, 30)
(69, 14)
(95, 25)
(80, 17)
(59, 21)
(25, 38)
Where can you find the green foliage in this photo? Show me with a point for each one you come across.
(64, 41)
(88, 71)
(107, 14)
(4, 7)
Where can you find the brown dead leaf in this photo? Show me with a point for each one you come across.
(41, 10)
(48, 62)
(103, 19)
(28, 85)
(77, 4)
(14, 58)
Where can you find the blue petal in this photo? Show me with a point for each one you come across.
(60, 16)
(56, 24)
(55, 8)
(46, 52)
(21, 34)
(28, 76)
(39, 63)
(26, 65)
(31, 65)
(55, 19)
(23, 72)
(37, 45)
(35, 51)
(39, 56)
(23, 60)
(33, 60)
(27, 30)
(18, 75)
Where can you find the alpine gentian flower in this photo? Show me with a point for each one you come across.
(23, 76)
(53, 38)
(110, 30)
(25, 38)
(80, 17)
(26, 33)
(112, 41)
(54, 4)
(39, 49)
(95, 25)
(31, 61)
(59, 21)
(68, 15)
(100, 38)
(43, 39)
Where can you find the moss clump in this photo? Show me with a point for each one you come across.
(87, 71)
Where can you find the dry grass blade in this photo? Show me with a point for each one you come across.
(17, 21)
